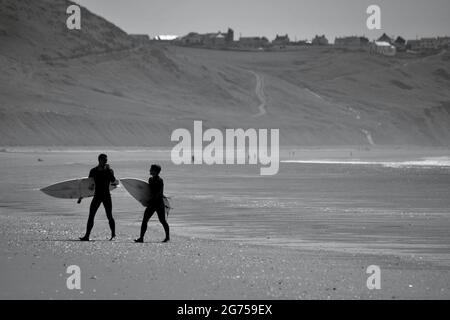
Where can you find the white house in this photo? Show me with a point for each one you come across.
(383, 48)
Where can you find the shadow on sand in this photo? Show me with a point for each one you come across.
(95, 240)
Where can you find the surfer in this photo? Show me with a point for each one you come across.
(103, 175)
(156, 185)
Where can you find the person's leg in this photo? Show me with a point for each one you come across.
(107, 203)
(161, 211)
(147, 215)
(95, 203)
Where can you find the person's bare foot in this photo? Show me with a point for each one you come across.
(85, 238)
(166, 240)
(112, 237)
(139, 240)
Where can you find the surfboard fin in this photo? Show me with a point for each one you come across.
(79, 200)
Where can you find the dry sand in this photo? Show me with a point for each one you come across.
(36, 251)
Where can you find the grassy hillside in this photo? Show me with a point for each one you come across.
(94, 87)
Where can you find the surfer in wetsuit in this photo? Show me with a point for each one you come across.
(156, 185)
(103, 175)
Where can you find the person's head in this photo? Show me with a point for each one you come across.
(102, 159)
(155, 169)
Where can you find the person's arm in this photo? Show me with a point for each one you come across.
(114, 182)
(92, 184)
(112, 178)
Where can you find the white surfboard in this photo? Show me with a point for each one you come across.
(140, 190)
(73, 189)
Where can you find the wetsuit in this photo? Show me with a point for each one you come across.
(156, 203)
(102, 179)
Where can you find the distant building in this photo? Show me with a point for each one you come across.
(413, 45)
(424, 44)
(429, 43)
(320, 41)
(400, 44)
(351, 42)
(385, 38)
(192, 39)
(253, 42)
(215, 39)
(281, 40)
(219, 39)
(443, 42)
(229, 37)
(382, 48)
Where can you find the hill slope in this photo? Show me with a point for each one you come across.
(95, 87)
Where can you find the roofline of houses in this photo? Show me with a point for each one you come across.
(223, 39)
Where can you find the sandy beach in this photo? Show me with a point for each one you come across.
(35, 253)
(222, 250)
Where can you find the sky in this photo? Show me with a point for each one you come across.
(300, 19)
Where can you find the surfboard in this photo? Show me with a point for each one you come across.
(72, 189)
(140, 190)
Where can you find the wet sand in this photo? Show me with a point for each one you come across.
(232, 246)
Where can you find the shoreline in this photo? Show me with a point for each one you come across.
(287, 154)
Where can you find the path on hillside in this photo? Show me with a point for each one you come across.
(259, 91)
(347, 109)
(368, 136)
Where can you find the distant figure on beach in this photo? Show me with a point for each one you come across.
(156, 185)
(103, 176)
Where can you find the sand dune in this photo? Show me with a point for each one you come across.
(96, 87)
